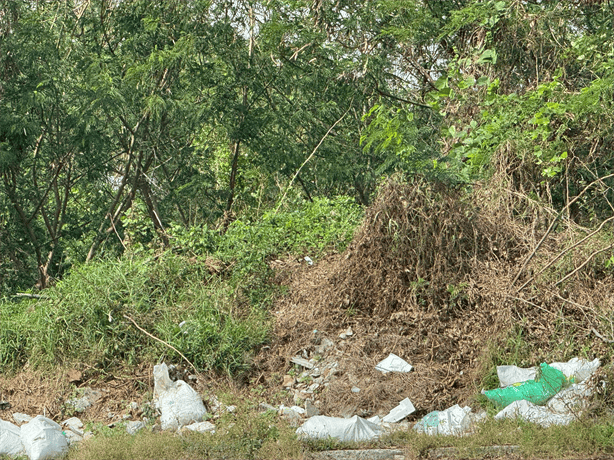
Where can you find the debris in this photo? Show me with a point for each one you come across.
(325, 345)
(548, 383)
(452, 421)
(308, 260)
(575, 370)
(43, 439)
(352, 429)
(10, 439)
(347, 333)
(134, 427)
(310, 409)
(393, 364)
(73, 423)
(20, 418)
(177, 401)
(88, 399)
(201, 427)
(355, 390)
(562, 409)
(288, 381)
(302, 362)
(533, 413)
(404, 408)
(267, 407)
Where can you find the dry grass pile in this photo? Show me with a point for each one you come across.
(435, 280)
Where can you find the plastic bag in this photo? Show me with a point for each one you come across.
(43, 439)
(548, 383)
(178, 402)
(452, 421)
(10, 439)
(404, 408)
(576, 370)
(393, 363)
(351, 429)
(535, 414)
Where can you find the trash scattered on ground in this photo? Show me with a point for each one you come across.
(179, 404)
(20, 418)
(575, 370)
(88, 399)
(565, 404)
(302, 362)
(42, 438)
(308, 260)
(393, 363)
(404, 409)
(455, 420)
(10, 439)
(346, 430)
(547, 383)
(347, 333)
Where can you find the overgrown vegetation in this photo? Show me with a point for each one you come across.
(209, 297)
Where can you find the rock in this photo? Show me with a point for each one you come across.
(214, 404)
(288, 381)
(310, 409)
(72, 437)
(89, 398)
(134, 427)
(347, 333)
(21, 418)
(302, 362)
(201, 427)
(314, 386)
(325, 345)
(267, 407)
(74, 376)
(134, 406)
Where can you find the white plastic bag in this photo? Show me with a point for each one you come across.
(179, 404)
(43, 439)
(404, 408)
(576, 370)
(393, 363)
(535, 414)
(350, 429)
(455, 420)
(10, 439)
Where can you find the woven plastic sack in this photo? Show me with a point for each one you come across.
(352, 429)
(43, 439)
(548, 382)
(10, 439)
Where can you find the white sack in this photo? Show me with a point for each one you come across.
(179, 404)
(10, 439)
(535, 414)
(576, 369)
(393, 364)
(43, 439)
(509, 375)
(351, 429)
(404, 408)
(455, 420)
(570, 400)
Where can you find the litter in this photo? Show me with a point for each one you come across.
(179, 404)
(10, 439)
(576, 370)
(43, 439)
(538, 391)
(455, 420)
(393, 364)
(404, 408)
(342, 429)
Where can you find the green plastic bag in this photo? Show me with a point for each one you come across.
(549, 382)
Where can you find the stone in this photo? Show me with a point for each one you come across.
(302, 362)
(324, 345)
(288, 381)
(201, 427)
(21, 418)
(314, 386)
(134, 427)
(310, 409)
